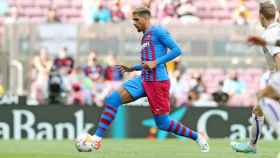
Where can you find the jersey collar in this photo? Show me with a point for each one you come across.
(148, 30)
(272, 25)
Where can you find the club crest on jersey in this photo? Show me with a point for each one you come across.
(146, 44)
(148, 36)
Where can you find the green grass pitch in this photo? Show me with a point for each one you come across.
(132, 148)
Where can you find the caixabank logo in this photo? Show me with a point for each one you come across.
(24, 124)
(214, 122)
(61, 122)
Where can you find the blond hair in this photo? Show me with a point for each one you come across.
(142, 11)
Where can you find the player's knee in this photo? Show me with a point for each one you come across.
(268, 92)
(258, 111)
(113, 99)
(163, 124)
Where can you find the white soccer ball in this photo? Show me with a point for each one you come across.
(84, 143)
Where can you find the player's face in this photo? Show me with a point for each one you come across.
(139, 22)
(262, 20)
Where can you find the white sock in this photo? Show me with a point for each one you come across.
(255, 130)
(97, 138)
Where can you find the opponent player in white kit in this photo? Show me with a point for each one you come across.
(269, 95)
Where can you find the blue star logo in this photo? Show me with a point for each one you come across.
(177, 116)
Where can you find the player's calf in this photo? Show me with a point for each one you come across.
(165, 123)
(112, 102)
(256, 122)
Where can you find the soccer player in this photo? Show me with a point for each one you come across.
(153, 83)
(268, 97)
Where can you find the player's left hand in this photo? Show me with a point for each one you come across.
(150, 64)
(123, 68)
(256, 40)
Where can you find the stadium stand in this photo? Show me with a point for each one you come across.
(237, 12)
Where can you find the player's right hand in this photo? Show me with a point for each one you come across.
(256, 40)
(123, 68)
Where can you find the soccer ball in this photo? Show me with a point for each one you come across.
(84, 143)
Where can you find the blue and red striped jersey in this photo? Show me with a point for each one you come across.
(155, 44)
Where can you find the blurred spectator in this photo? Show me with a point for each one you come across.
(152, 133)
(241, 15)
(59, 82)
(197, 95)
(80, 88)
(103, 14)
(76, 95)
(90, 10)
(13, 15)
(219, 96)
(2, 89)
(186, 12)
(52, 16)
(174, 65)
(4, 7)
(117, 13)
(42, 64)
(233, 86)
(93, 70)
(100, 89)
(202, 100)
(179, 85)
(63, 63)
(179, 88)
(197, 83)
(56, 87)
(166, 12)
(111, 73)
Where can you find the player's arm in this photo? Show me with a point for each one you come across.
(262, 42)
(124, 68)
(166, 39)
(137, 67)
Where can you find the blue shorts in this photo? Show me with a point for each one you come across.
(135, 87)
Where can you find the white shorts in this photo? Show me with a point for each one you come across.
(272, 79)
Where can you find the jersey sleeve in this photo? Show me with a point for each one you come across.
(166, 40)
(272, 38)
(137, 67)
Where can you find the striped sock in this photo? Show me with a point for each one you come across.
(106, 119)
(112, 102)
(179, 129)
(166, 124)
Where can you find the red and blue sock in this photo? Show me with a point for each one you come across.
(165, 123)
(112, 102)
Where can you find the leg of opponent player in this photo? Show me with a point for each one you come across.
(271, 110)
(158, 96)
(131, 90)
(268, 100)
